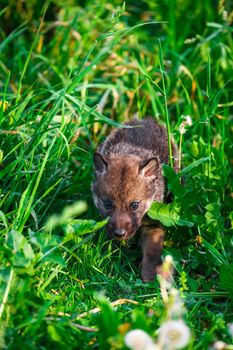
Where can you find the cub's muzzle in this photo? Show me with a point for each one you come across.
(119, 232)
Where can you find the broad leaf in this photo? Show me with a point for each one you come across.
(213, 217)
(168, 214)
(82, 226)
(173, 179)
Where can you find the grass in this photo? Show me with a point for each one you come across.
(68, 74)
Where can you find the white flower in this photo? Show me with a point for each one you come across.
(168, 259)
(225, 15)
(219, 345)
(188, 120)
(174, 334)
(152, 347)
(176, 309)
(137, 339)
(230, 329)
(182, 129)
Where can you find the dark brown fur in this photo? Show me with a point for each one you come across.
(128, 170)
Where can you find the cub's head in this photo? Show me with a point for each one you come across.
(124, 189)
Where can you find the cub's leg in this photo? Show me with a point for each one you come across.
(152, 246)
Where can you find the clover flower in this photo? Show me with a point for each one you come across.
(137, 339)
(187, 121)
(174, 334)
(182, 129)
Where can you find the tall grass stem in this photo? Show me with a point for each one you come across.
(161, 66)
(7, 291)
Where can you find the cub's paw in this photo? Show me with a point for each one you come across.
(147, 274)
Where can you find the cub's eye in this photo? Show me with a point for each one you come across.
(107, 204)
(134, 205)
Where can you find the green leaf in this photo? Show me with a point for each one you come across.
(53, 333)
(28, 251)
(3, 219)
(81, 227)
(231, 218)
(173, 181)
(55, 257)
(213, 251)
(140, 321)
(226, 277)
(194, 165)
(45, 241)
(213, 217)
(67, 214)
(208, 87)
(168, 214)
(20, 246)
(194, 149)
(107, 321)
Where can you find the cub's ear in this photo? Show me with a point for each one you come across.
(150, 167)
(101, 163)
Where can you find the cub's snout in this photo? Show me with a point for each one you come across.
(121, 225)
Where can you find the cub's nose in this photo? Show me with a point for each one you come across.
(119, 232)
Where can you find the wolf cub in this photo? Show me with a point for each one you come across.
(128, 178)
